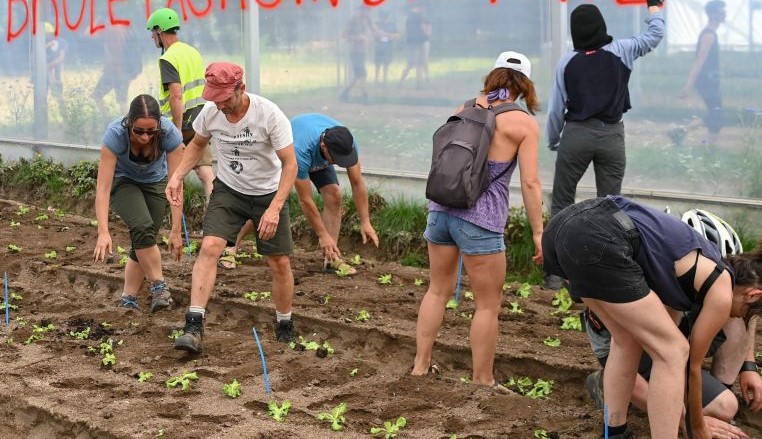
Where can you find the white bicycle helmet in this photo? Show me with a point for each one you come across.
(715, 230)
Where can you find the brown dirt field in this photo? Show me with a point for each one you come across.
(56, 388)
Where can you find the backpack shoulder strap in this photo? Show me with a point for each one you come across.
(469, 103)
(508, 106)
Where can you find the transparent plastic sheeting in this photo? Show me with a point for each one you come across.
(309, 51)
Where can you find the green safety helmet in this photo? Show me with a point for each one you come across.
(165, 19)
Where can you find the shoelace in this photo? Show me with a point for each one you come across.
(130, 302)
(158, 287)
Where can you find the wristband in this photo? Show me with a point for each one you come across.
(749, 366)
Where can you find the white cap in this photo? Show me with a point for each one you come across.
(515, 61)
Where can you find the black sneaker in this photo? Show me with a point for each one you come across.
(284, 331)
(594, 386)
(628, 434)
(160, 297)
(193, 333)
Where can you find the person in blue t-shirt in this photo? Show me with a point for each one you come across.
(638, 269)
(140, 151)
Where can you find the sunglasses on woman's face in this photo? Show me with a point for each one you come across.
(141, 131)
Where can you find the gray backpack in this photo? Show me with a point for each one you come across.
(459, 172)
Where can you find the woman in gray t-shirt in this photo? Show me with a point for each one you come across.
(139, 152)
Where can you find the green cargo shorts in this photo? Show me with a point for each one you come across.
(228, 210)
(142, 207)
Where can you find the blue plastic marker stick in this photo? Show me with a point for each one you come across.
(606, 422)
(262, 356)
(7, 305)
(187, 241)
(460, 274)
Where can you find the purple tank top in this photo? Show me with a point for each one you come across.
(491, 208)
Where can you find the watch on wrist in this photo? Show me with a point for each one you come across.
(749, 366)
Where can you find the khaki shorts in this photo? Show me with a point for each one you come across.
(228, 210)
(206, 159)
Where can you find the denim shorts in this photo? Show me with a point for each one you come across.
(593, 245)
(445, 229)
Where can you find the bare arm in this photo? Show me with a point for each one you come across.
(175, 239)
(705, 44)
(751, 381)
(268, 224)
(327, 245)
(360, 197)
(190, 157)
(531, 189)
(106, 169)
(176, 104)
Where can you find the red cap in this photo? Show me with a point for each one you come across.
(221, 79)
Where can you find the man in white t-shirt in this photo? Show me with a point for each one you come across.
(256, 169)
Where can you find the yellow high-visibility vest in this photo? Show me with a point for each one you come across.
(188, 63)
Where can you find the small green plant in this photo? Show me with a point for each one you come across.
(183, 380)
(42, 217)
(418, 282)
(278, 412)
(233, 389)
(21, 322)
(15, 223)
(144, 377)
(515, 308)
(309, 345)
(354, 372)
(123, 260)
(160, 433)
(120, 250)
(343, 271)
(175, 334)
(70, 248)
(540, 434)
(385, 279)
(109, 359)
(51, 255)
(562, 301)
(469, 295)
(251, 295)
(335, 416)
(465, 379)
(524, 290)
(552, 342)
(389, 430)
(23, 210)
(451, 304)
(356, 260)
(81, 335)
(467, 316)
(571, 323)
(541, 389)
(13, 248)
(325, 299)
(363, 316)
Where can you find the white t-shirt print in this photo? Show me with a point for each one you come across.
(246, 159)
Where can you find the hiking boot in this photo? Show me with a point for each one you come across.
(284, 331)
(628, 434)
(594, 386)
(553, 282)
(130, 302)
(193, 333)
(160, 297)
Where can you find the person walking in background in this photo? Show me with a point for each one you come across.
(385, 34)
(55, 53)
(120, 67)
(704, 76)
(638, 268)
(139, 152)
(182, 81)
(417, 35)
(257, 169)
(358, 33)
(588, 97)
(477, 232)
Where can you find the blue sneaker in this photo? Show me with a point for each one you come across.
(130, 302)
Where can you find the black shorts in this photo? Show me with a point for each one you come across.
(593, 244)
(324, 177)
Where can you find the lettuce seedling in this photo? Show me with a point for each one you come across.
(42, 217)
(33, 338)
(23, 210)
(522, 384)
(465, 379)
(70, 248)
(541, 389)
(469, 295)
(563, 301)
(335, 416)
(160, 433)
(123, 260)
(515, 308)
(467, 316)
(540, 434)
(11, 306)
(13, 248)
(15, 223)
(51, 255)
(452, 304)
(354, 372)
(175, 334)
(418, 282)
(183, 380)
(343, 271)
(109, 359)
(385, 279)
(233, 389)
(356, 260)
(389, 430)
(571, 323)
(552, 342)
(144, 376)
(276, 412)
(251, 295)
(363, 316)
(21, 322)
(325, 299)
(120, 250)
(81, 335)
(524, 290)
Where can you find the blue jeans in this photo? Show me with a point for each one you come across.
(445, 229)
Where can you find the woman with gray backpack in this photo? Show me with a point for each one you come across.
(487, 136)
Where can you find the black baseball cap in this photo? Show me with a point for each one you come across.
(340, 144)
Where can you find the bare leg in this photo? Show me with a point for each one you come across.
(133, 277)
(205, 270)
(283, 282)
(486, 274)
(443, 262)
(331, 209)
(150, 262)
(206, 175)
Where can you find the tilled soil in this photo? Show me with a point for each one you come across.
(58, 387)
